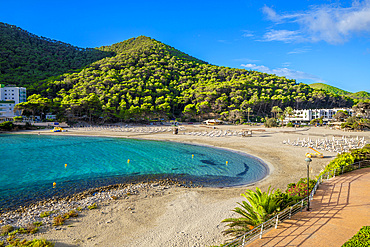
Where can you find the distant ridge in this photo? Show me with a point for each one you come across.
(361, 95)
(26, 58)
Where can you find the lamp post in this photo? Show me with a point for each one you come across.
(308, 160)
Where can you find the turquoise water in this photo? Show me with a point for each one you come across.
(30, 164)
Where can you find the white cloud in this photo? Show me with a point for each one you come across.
(288, 73)
(299, 51)
(330, 23)
(271, 14)
(282, 35)
(247, 33)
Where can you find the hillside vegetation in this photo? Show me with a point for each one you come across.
(25, 58)
(362, 95)
(141, 79)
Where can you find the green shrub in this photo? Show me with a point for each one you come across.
(300, 189)
(58, 220)
(45, 214)
(19, 230)
(33, 230)
(7, 125)
(362, 238)
(361, 153)
(289, 124)
(93, 206)
(32, 243)
(71, 213)
(6, 229)
(37, 223)
(271, 122)
(18, 118)
(342, 160)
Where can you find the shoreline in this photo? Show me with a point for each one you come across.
(199, 210)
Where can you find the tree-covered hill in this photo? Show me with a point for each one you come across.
(330, 89)
(141, 79)
(148, 79)
(25, 58)
(362, 95)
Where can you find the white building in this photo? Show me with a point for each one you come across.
(10, 96)
(306, 115)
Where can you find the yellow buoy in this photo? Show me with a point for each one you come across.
(54, 184)
(192, 156)
(65, 165)
(227, 162)
(128, 161)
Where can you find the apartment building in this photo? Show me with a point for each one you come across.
(306, 115)
(10, 95)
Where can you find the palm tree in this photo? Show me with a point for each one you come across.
(249, 110)
(259, 208)
(276, 109)
(288, 111)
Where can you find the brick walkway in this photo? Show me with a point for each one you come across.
(339, 209)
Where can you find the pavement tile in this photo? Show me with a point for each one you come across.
(339, 209)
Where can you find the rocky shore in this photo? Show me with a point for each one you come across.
(80, 202)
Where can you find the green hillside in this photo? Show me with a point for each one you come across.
(330, 89)
(362, 95)
(143, 79)
(26, 58)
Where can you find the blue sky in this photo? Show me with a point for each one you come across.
(307, 40)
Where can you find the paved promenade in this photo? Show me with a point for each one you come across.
(339, 209)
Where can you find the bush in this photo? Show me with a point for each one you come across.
(6, 125)
(6, 229)
(32, 243)
(45, 214)
(19, 230)
(300, 189)
(362, 153)
(362, 238)
(342, 160)
(71, 213)
(271, 122)
(18, 119)
(93, 206)
(58, 220)
(289, 124)
(37, 223)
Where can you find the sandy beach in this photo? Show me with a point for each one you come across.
(177, 216)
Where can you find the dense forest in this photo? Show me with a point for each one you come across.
(26, 59)
(141, 79)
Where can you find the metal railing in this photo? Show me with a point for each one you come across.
(287, 213)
